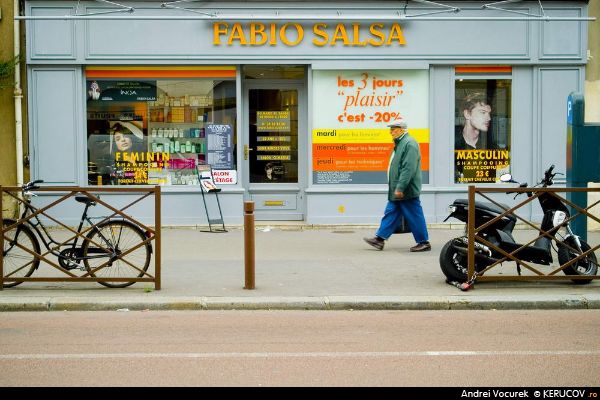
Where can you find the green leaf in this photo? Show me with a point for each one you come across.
(7, 70)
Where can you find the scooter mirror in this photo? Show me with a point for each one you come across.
(506, 178)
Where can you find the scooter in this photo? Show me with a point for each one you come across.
(453, 256)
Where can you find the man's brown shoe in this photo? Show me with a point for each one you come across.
(375, 242)
(421, 247)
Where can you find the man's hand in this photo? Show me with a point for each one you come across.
(398, 194)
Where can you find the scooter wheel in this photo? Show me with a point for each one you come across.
(453, 264)
(585, 266)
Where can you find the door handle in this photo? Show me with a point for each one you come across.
(247, 150)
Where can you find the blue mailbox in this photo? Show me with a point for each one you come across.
(583, 156)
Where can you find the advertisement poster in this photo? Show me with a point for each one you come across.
(482, 130)
(205, 176)
(121, 90)
(219, 148)
(117, 152)
(275, 148)
(273, 121)
(130, 170)
(351, 142)
(129, 149)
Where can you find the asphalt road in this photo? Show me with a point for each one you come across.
(301, 348)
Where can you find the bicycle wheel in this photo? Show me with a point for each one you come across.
(108, 243)
(19, 263)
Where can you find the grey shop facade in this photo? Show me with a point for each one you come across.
(289, 102)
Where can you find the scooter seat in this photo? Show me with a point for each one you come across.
(490, 207)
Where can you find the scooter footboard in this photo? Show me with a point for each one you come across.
(538, 253)
(505, 239)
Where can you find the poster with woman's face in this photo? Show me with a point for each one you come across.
(482, 126)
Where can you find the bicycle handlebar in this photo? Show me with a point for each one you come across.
(549, 176)
(32, 185)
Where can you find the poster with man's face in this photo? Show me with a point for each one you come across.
(482, 125)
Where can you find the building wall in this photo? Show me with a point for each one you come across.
(189, 41)
(7, 161)
(7, 109)
(8, 169)
(547, 58)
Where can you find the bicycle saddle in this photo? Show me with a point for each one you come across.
(85, 200)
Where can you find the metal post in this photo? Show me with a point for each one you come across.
(249, 244)
(1, 241)
(471, 232)
(157, 238)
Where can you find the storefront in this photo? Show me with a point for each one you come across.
(289, 102)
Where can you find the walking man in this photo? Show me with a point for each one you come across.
(404, 182)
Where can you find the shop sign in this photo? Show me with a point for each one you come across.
(121, 90)
(319, 34)
(225, 176)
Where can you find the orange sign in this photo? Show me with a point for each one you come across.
(351, 156)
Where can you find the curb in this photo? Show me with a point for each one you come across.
(335, 303)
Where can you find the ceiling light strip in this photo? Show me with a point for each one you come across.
(228, 18)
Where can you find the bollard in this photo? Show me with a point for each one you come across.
(249, 244)
(1, 241)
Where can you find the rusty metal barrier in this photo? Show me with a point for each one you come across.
(473, 235)
(116, 251)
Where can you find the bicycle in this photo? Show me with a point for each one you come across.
(109, 249)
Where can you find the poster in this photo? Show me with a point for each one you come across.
(104, 90)
(219, 148)
(482, 130)
(117, 153)
(273, 121)
(351, 142)
(273, 146)
(205, 176)
(130, 170)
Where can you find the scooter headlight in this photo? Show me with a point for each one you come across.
(558, 218)
(451, 208)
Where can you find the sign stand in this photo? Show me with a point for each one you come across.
(207, 185)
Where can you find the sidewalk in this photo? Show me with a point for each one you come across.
(301, 267)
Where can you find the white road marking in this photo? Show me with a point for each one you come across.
(343, 354)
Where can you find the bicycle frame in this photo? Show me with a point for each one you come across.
(48, 240)
(115, 249)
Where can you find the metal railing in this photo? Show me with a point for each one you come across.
(45, 234)
(473, 235)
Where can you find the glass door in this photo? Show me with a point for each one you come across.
(273, 150)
